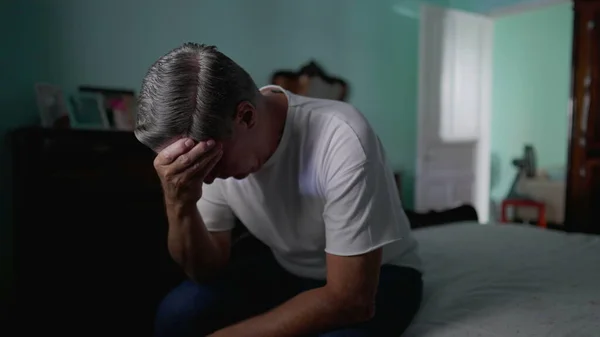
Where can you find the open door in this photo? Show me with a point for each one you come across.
(453, 149)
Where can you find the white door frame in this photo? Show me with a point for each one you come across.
(483, 150)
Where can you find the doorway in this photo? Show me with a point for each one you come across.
(488, 87)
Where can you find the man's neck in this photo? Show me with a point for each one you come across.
(276, 108)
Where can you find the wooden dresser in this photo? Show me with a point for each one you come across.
(90, 232)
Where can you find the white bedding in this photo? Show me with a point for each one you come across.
(508, 280)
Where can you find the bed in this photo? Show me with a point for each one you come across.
(507, 280)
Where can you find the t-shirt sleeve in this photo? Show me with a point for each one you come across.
(360, 213)
(213, 208)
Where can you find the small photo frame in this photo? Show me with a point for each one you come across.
(89, 112)
(51, 104)
(119, 106)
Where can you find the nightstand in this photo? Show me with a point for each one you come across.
(516, 203)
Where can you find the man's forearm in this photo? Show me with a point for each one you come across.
(191, 245)
(308, 313)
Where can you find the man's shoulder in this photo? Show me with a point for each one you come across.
(334, 120)
(328, 109)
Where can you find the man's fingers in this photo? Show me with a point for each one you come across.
(194, 159)
(210, 176)
(206, 164)
(196, 153)
(169, 154)
(183, 153)
(212, 163)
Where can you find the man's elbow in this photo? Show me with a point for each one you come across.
(360, 311)
(353, 309)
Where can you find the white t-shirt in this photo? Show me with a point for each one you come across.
(328, 188)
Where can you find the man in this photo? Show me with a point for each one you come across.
(307, 177)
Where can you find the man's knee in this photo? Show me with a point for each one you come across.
(180, 312)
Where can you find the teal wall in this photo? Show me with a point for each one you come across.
(531, 90)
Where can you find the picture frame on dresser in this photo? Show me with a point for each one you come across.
(51, 103)
(89, 112)
(118, 106)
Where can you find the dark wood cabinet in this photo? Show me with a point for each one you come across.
(583, 187)
(90, 232)
(590, 20)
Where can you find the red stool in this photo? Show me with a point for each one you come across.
(516, 203)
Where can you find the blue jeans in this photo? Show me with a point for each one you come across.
(254, 283)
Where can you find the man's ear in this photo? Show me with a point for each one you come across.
(245, 114)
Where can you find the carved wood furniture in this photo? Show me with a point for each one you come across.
(311, 80)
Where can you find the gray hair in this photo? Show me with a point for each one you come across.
(193, 91)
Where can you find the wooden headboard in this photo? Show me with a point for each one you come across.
(311, 80)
